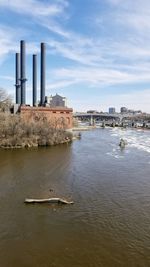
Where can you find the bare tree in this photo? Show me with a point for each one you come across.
(5, 100)
(16, 131)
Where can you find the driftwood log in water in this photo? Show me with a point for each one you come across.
(48, 200)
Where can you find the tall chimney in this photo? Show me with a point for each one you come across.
(34, 80)
(18, 92)
(23, 74)
(42, 100)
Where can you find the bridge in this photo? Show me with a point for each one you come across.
(93, 118)
(97, 117)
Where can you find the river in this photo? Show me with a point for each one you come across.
(109, 223)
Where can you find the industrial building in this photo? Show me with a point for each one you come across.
(56, 101)
(50, 108)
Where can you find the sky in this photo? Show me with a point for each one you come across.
(97, 51)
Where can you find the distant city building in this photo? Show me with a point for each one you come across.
(93, 111)
(137, 112)
(56, 101)
(131, 111)
(123, 110)
(112, 110)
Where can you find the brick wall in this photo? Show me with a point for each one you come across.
(55, 115)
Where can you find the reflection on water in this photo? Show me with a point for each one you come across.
(109, 224)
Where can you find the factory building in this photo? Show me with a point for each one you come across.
(50, 108)
(56, 101)
(58, 117)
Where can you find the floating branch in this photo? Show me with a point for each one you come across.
(48, 200)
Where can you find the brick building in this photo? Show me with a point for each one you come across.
(58, 116)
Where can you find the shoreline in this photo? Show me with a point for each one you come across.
(28, 146)
(86, 128)
(31, 145)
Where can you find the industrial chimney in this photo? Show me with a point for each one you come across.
(42, 99)
(23, 74)
(34, 80)
(17, 84)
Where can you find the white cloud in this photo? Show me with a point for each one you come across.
(33, 7)
(40, 12)
(98, 77)
(7, 42)
(53, 26)
(78, 52)
(8, 78)
(115, 2)
(134, 15)
(9, 45)
(60, 84)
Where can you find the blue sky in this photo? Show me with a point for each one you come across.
(97, 51)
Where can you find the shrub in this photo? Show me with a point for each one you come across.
(16, 132)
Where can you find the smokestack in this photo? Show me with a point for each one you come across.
(34, 80)
(18, 92)
(23, 74)
(42, 101)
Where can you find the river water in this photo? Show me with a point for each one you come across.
(109, 223)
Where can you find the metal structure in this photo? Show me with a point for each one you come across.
(42, 95)
(17, 84)
(100, 116)
(34, 80)
(23, 73)
(20, 81)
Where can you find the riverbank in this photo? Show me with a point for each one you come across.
(15, 132)
(30, 144)
(86, 128)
